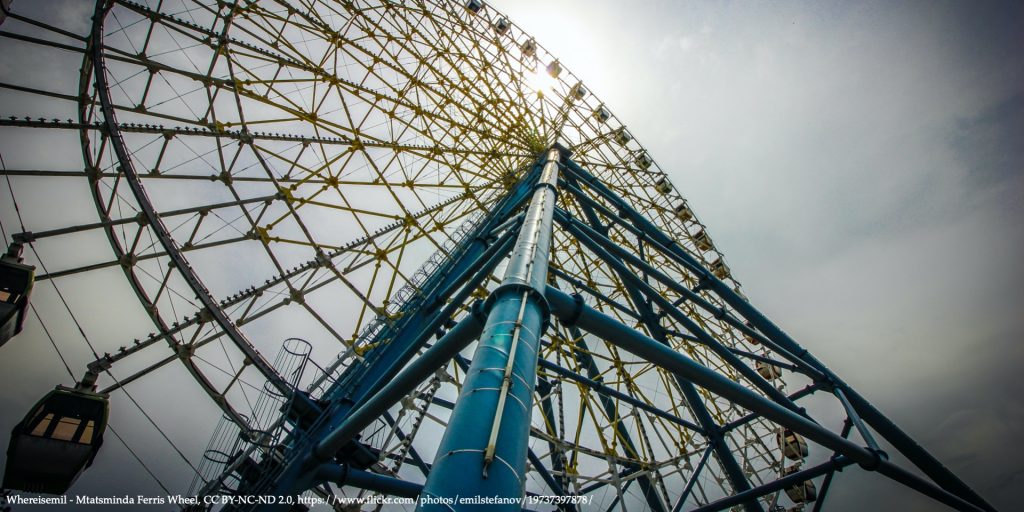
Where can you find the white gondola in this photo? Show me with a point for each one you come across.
(768, 371)
(555, 69)
(579, 92)
(529, 48)
(602, 115)
(683, 212)
(622, 136)
(501, 26)
(719, 268)
(793, 445)
(644, 161)
(474, 6)
(662, 186)
(803, 492)
(702, 240)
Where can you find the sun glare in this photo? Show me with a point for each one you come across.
(540, 81)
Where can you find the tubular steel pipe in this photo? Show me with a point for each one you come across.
(404, 383)
(871, 415)
(347, 475)
(484, 449)
(569, 310)
(835, 464)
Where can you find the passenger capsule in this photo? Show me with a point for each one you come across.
(663, 186)
(555, 69)
(793, 445)
(768, 371)
(529, 48)
(56, 441)
(474, 6)
(683, 212)
(622, 136)
(644, 161)
(602, 115)
(579, 92)
(501, 26)
(719, 268)
(702, 240)
(16, 281)
(803, 492)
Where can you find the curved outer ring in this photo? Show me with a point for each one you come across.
(95, 54)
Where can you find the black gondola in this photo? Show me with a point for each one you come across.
(16, 281)
(57, 440)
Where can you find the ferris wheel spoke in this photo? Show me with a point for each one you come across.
(414, 81)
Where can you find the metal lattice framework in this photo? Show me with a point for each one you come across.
(341, 174)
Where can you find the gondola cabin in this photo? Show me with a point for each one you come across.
(644, 161)
(555, 69)
(702, 240)
(579, 92)
(683, 212)
(622, 136)
(662, 186)
(474, 6)
(719, 268)
(16, 281)
(803, 492)
(501, 26)
(793, 445)
(58, 439)
(768, 371)
(529, 48)
(751, 339)
(602, 115)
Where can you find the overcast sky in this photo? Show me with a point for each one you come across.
(860, 165)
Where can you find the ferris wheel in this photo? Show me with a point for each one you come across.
(248, 228)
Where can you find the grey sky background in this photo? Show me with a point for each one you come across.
(860, 165)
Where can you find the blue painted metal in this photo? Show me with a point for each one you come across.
(834, 464)
(570, 310)
(635, 287)
(583, 356)
(602, 246)
(643, 233)
(460, 336)
(618, 395)
(346, 475)
(531, 456)
(690, 482)
(781, 341)
(476, 259)
(580, 285)
(484, 449)
(501, 376)
(611, 330)
(647, 485)
(747, 418)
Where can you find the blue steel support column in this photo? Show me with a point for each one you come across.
(484, 449)
(611, 330)
(635, 287)
(404, 383)
(871, 415)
